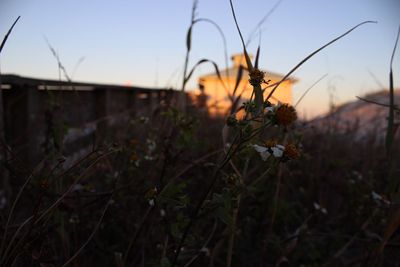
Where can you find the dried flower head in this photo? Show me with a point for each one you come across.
(256, 77)
(291, 151)
(285, 114)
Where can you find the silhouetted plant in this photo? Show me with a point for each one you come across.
(183, 189)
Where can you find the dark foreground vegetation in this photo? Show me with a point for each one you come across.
(129, 202)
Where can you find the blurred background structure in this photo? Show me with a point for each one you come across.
(41, 116)
(234, 87)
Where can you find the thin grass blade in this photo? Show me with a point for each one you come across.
(308, 90)
(257, 57)
(8, 33)
(189, 38)
(201, 61)
(390, 128)
(315, 52)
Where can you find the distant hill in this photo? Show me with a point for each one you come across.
(360, 119)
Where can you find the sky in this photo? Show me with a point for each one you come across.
(143, 43)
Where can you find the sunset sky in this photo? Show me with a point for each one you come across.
(143, 42)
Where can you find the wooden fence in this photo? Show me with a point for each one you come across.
(38, 114)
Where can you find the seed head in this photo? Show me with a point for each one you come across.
(285, 115)
(256, 77)
(291, 151)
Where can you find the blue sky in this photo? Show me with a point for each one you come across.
(143, 42)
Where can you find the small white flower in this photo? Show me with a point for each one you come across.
(151, 202)
(162, 213)
(278, 151)
(319, 208)
(260, 149)
(376, 196)
(280, 147)
(205, 251)
(137, 163)
(379, 199)
(144, 119)
(264, 153)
